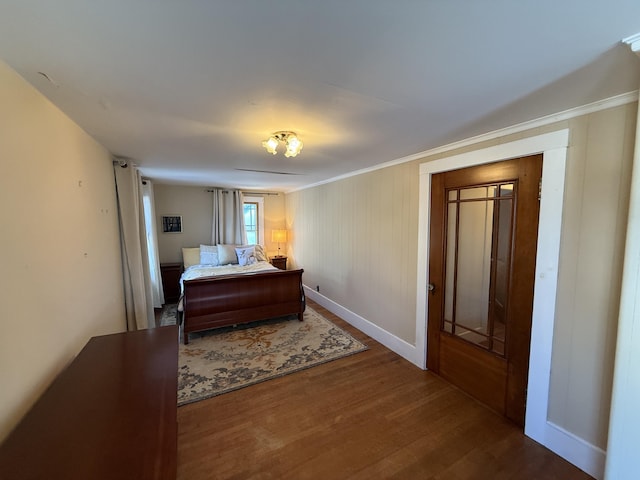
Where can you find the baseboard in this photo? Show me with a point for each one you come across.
(393, 343)
(579, 452)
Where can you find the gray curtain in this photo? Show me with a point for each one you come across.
(228, 217)
(133, 242)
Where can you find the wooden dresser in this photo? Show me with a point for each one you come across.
(111, 414)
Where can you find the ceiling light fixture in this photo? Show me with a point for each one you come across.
(290, 139)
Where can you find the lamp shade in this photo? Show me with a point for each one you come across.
(271, 144)
(279, 236)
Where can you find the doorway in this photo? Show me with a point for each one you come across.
(483, 237)
(554, 148)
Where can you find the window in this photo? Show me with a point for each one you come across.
(251, 222)
(253, 209)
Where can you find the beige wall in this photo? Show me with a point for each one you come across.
(61, 279)
(590, 271)
(274, 219)
(195, 206)
(357, 239)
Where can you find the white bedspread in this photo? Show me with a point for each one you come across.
(198, 271)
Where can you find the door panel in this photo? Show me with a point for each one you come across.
(483, 238)
(484, 375)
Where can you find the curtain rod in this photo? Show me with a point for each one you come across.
(246, 192)
(122, 161)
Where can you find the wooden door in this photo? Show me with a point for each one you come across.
(483, 237)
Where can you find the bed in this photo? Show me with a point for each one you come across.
(226, 285)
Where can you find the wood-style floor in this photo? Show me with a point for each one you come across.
(372, 415)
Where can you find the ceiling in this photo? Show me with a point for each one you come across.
(189, 89)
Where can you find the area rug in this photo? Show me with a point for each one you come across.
(169, 315)
(226, 359)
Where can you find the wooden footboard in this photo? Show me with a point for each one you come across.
(212, 302)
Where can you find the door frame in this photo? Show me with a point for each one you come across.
(553, 147)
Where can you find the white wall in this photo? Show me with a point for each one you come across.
(61, 279)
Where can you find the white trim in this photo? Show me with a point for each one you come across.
(545, 291)
(586, 456)
(553, 146)
(390, 341)
(634, 42)
(596, 106)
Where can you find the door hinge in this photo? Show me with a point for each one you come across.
(540, 190)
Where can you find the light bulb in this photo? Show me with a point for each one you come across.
(271, 144)
(294, 145)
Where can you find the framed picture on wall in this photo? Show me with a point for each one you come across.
(171, 224)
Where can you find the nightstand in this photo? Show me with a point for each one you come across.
(170, 273)
(279, 262)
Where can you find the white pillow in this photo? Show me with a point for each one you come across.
(190, 256)
(260, 255)
(209, 255)
(246, 255)
(227, 254)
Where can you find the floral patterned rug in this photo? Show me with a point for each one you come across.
(169, 314)
(226, 359)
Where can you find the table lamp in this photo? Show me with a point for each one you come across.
(279, 236)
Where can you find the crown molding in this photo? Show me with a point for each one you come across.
(604, 104)
(634, 43)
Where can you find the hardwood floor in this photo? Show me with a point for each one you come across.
(372, 415)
